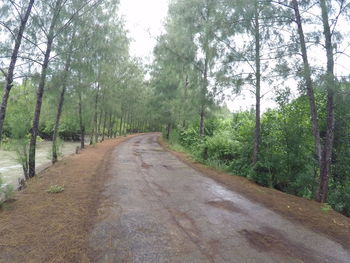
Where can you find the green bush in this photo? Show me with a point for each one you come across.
(55, 189)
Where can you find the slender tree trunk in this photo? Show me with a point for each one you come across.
(257, 133)
(204, 91)
(94, 129)
(331, 85)
(99, 125)
(184, 107)
(81, 123)
(110, 125)
(201, 122)
(40, 92)
(104, 126)
(168, 130)
(124, 123)
(309, 85)
(56, 126)
(11, 69)
(61, 102)
(205, 82)
(127, 123)
(121, 125)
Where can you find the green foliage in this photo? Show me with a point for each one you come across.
(326, 207)
(55, 189)
(286, 161)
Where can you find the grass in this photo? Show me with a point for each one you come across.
(55, 189)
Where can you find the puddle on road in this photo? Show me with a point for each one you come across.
(270, 240)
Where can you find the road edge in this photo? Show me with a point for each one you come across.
(331, 224)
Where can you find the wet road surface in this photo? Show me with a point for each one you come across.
(157, 209)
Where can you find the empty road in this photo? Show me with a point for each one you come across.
(155, 208)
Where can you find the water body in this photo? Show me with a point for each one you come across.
(11, 170)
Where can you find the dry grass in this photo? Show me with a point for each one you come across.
(306, 212)
(43, 227)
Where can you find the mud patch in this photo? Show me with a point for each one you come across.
(225, 204)
(272, 241)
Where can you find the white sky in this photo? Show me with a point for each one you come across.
(144, 21)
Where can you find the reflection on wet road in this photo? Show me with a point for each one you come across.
(157, 209)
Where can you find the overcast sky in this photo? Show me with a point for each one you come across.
(144, 21)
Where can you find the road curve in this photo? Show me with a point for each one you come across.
(155, 208)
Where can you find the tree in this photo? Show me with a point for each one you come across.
(11, 69)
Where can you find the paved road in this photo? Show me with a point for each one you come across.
(157, 209)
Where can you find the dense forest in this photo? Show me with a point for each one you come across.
(67, 73)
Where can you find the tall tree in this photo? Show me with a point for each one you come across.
(308, 81)
(330, 82)
(65, 76)
(11, 69)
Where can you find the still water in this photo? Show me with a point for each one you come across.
(11, 170)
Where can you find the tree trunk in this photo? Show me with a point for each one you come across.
(81, 123)
(110, 125)
(127, 123)
(56, 127)
(257, 134)
(94, 125)
(201, 123)
(309, 85)
(98, 133)
(10, 72)
(121, 125)
(331, 85)
(104, 126)
(40, 92)
(61, 101)
(168, 130)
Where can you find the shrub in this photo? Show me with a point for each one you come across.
(54, 189)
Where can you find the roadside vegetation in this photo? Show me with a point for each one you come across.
(67, 74)
(287, 51)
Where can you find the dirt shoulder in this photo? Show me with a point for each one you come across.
(42, 227)
(306, 212)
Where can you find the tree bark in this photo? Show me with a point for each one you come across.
(257, 134)
(81, 123)
(98, 133)
(104, 126)
(94, 129)
(121, 125)
(40, 92)
(11, 69)
(61, 101)
(322, 192)
(201, 123)
(309, 85)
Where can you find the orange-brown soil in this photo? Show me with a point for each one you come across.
(306, 212)
(36, 226)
